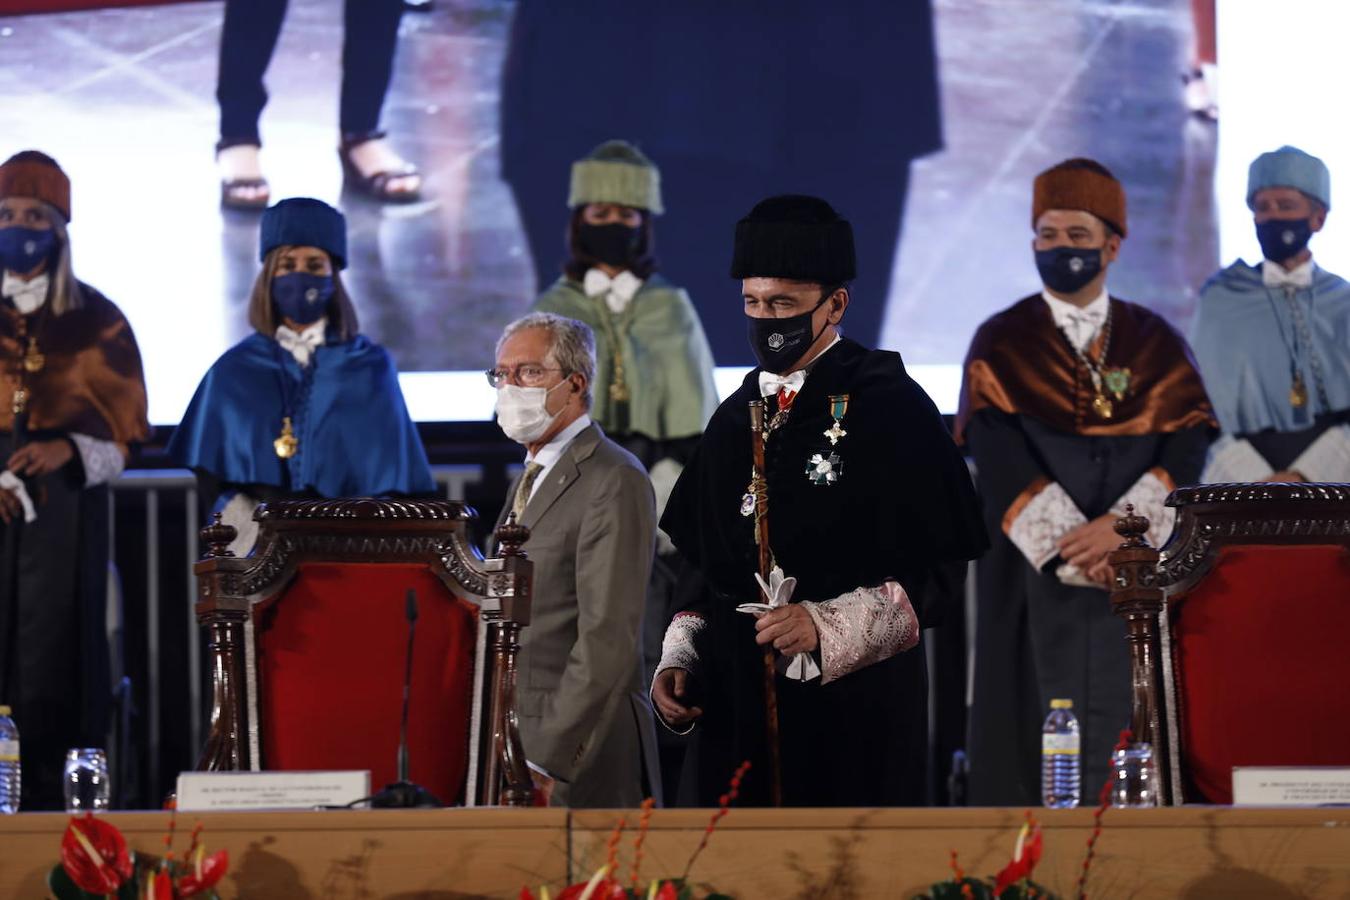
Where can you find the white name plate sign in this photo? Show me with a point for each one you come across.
(223, 791)
(1291, 786)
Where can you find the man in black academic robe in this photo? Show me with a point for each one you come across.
(866, 497)
(1075, 404)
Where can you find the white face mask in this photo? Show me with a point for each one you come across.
(522, 412)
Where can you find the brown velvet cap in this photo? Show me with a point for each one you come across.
(1082, 184)
(33, 174)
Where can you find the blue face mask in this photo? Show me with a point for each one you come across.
(302, 297)
(22, 249)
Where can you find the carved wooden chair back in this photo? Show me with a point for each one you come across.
(1237, 631)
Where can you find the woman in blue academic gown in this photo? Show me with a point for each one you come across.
(305, 406)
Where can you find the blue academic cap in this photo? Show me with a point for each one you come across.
(1290, 167)
(304, 222)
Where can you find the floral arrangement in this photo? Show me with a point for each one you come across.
(605, 885)
(1014, 881)
(96, 862)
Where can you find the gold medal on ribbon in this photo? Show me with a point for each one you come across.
(1298, 392)
(286, 443)
(33, 361)
(1103, 407)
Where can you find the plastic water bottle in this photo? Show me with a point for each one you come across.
(1061, 762)
(9, 763)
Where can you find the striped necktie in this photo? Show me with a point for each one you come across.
(523, 489)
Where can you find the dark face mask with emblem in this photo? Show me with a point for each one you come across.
(302, 297)
(1283, 239)
(779, 343)
(1067, 270)
(21, 249)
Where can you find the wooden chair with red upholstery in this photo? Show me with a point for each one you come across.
(307, 644)
(1248, 666)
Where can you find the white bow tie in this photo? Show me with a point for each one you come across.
(770, 384)
(302, 344)
(1081, 326)
(26, 296)
(1276, 276)
(618, 291)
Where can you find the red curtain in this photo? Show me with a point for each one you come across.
(24, 7)
(1263, 654)
(331, 653)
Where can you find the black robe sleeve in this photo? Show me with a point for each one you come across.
(1006, 464)
(1182, 454)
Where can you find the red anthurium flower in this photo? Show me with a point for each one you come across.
(94, 855)
(609, 889)
(160, 886)
(525, 894)
(205, 872)
(1026, 854)
(668, 891)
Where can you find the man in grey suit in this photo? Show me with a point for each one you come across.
(585, 722)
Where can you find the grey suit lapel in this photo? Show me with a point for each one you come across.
(562, 475)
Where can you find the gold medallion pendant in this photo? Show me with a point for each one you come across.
(33, 361)
(286, 443)
(1103, 407)
(1298, 392)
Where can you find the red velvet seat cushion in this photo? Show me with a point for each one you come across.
(1262, 648)
(331, 652)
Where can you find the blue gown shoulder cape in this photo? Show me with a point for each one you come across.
(1244, 336)
(355, 436)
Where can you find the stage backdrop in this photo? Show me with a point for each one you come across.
(924, 121)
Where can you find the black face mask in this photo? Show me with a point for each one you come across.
(779, 343)
(1282, 239)
(613, 244)
(1067, 270)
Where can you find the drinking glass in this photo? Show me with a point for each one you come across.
(86, 783)
(1135, 780)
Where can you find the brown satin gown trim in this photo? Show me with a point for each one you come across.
(92, 381)
(1020, 364)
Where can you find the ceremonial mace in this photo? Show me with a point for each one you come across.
(760, 489)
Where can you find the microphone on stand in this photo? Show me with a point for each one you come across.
(403, 793)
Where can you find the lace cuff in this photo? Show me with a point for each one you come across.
(1234, 460)
(102, 460)
(863, 627)
(1036, 521)
(1148, 495)
(1327, 458)
(678, 651)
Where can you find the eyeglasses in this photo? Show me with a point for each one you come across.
(525, 374)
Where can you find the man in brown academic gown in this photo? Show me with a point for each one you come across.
(1075, 403)
(72, 401)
